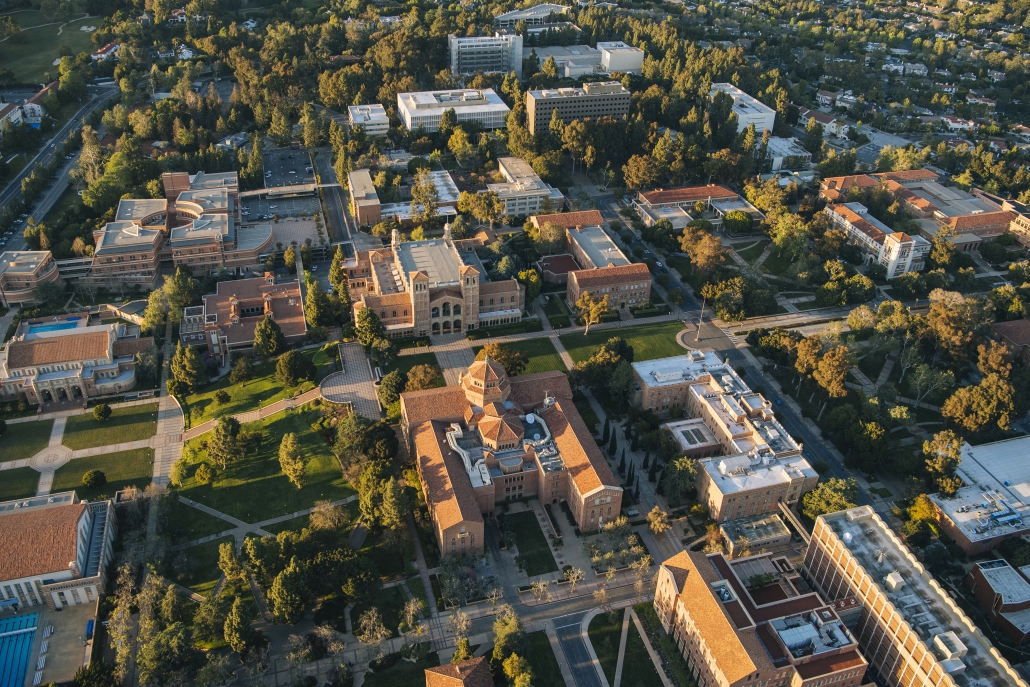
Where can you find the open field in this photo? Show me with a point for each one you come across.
(124, 469)
(125, 424)
(203, 572)
(254, 488)
(18, 483)
(25, 439)
(32, 58)
(542, 355)
(648, 341)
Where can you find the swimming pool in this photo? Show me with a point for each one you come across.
(54, 327)
(16, 638)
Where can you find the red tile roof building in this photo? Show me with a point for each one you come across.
(474, 672)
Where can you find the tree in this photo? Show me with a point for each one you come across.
(224, 447)
(94, 479)
(289, 593)
(861, 318)
(269, 340)
(548, 238)
(394, 508)
(424, 197)
(516, 668)
(383, 352)
(101, 412)
(229, 563)
(292, 368)
(368, 328)
(371, 629)
(591, 309)
(813, 139)
(290, 258)
(242, 371)
(975, 408)
(678, 479)
(514, 361)
(832, 370)
(640, 172)
(291, 461)
(317, 310)
(574, 576)
(943, 455)
(486, 207)
(833, 495)
(534, 284)
(180, 290)
(462, 652)
(187, 368)
(237, 629)
(325, 517)
(390, 387)
(167, 657)
(156, 312)
(421, 377)
(280, 128)
(96, 674)
(509, 634)
(658, 520)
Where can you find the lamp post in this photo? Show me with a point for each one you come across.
(701, 319)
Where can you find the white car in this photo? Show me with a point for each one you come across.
(272, 207)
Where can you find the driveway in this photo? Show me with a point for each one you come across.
(570, 636)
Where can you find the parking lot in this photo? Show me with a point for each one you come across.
(288, 167)
(254, 209)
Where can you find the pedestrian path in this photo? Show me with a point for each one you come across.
(255, 415)
(622, 649)
(423, 569)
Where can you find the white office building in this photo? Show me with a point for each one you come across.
(524, 193)
(371, 118)
(895, 250)
(423, 110)
(787, 153)
(533, 16)
(617, 56)
(749, 109)
(501, 52)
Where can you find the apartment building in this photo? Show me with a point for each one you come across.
(371, 118)
(831, 125)
(501, 52)
(593, 100)
(493, 439)
(910, 629)
(895, 250)
(1020, 225)
(679, 206)
(424, 109)
(753, 621)
(749, 110)
(617, 56)
(438, 286)
(21, 271)
(523, 192)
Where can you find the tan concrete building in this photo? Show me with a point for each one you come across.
(437, 286)
(909, 627)
(364, 201)
(226, 320)
(592, 101)
(127, 253)
(523, 192)
(493, 438)
(22, 271)
(753, 621)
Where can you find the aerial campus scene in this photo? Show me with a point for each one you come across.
(472, 344)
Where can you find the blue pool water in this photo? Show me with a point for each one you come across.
(56, 326)
(16, 638)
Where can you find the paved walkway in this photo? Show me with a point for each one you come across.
(353, 384)
(622, 649)
(423, 569)
(255, 415)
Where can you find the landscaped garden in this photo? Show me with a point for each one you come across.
(637, 667)
(648, 341)
(301, 521)
(255, 488)
(18, 483)
(557, 312)
(184, 523)
(541, 353)
(25, 439)
(201, 564)
(261, 390)
(121, 470)
(390, 604)
(529, 539)
(133, 423)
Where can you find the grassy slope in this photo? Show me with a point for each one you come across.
(542, 355)
(32, 58)
(648, 341)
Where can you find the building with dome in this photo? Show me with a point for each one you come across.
(494, 438)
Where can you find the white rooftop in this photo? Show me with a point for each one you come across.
(1006, 580)
(460, 100)
(364, 114)
(742, 472)
(439, 260)
(598, 246)
(691, 367)
(742, 102)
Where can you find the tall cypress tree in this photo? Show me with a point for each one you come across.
(606, 433)
(613, 446)
(653, 471)
(622, 463)
(632, 472)
(647, 460)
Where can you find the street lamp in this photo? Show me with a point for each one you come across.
(704, 299)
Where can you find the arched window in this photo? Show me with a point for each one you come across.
(446, 309)
(457, 325)
(457, 309)
(436, 312)
(436, 327)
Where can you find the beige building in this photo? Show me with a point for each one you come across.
(592, 101)
(57, 359)
(909, 627)
(681, 206)
(492, 439)
(226, 320)
(754, 621)
(22, 271)
(54, 550)
(437, 286)
(523, 191)
(749, 464)
(368, 210)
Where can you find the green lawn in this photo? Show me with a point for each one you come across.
(528, 325)
(32, 58)
(18, 483)
(542, 355)
(404, 363)
(390, 603)
(638, 669)
(255, 489)
(185, 523)
(648, 341)
(402, 673)
(546, 672)
(300, 522)
(260, 391)
(68, 200)
(418, 590)
(557, 312)
(390, 557)
(25, 439)
(125, 424)
(588, 415)
(777, 263)
(203, 572)
(123, 469)
(605, 634)
(532, 544)
(751, 254)
(680, 264)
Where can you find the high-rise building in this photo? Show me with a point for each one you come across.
(501, 52)
(909, 627)
(593, 100)
(753, 621)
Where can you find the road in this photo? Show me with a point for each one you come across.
(570, 637)
(336, 215)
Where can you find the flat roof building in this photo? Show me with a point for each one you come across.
(759, 533)
(424, 109)
(364, 201)
(754, 621)
(21, 271)
(533, 16)
(501, 52)
(912, 631)
(677, 205)
(617, 56)
(523, 192)
(1004, 595)
(896, 251)
(749, 110)
(571, 60)
(787, 153)
(371, 118)
(593, 101)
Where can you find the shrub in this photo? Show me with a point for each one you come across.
(204, 474)
(101, 412)
(222, 397)
(94, 479)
